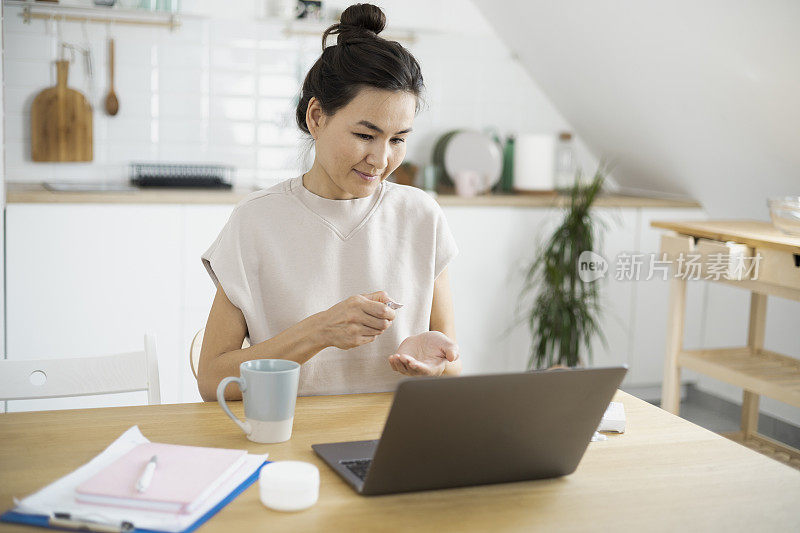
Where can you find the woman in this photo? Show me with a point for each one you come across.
(339, 233)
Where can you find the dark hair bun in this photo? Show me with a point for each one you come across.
(367, 16)
(361, 58)
(357, 22)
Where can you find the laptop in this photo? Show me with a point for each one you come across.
(474, 430)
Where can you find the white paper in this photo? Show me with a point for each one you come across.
(613, 419)
(59, 496)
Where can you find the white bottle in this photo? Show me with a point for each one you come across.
(565, 161)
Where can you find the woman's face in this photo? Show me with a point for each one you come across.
(360, 145)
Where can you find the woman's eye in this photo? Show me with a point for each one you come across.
(367, 137)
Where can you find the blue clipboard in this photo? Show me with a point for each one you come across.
(42, 520)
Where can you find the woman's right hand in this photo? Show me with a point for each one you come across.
(356, 320)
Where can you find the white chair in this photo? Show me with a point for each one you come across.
(83, 376)
(197, 344)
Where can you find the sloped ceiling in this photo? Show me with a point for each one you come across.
(698, 99)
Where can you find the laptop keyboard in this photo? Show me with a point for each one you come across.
(358, 467)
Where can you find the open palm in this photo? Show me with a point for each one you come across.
(425, 354)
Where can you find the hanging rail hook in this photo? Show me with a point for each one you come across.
(59, 36)
(27, 14)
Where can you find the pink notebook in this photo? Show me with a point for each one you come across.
(184, 477)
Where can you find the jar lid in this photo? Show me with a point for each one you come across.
(289, 485)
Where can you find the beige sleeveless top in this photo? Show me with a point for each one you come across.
(286, 253)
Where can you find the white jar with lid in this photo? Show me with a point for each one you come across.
(289, 485)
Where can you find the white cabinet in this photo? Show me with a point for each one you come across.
(619, 230)
(202, 224)
(87, 279)
(494, 244)
(648, 321)
(497, 246)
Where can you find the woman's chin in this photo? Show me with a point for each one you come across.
(362, 186)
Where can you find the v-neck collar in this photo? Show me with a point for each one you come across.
(338, 215)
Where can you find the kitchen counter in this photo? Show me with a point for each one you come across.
(35, 193)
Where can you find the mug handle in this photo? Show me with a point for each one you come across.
(221, 399)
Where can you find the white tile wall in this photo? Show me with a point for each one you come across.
(16, 120)
(222, 88)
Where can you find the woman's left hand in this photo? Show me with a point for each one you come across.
(425, 354)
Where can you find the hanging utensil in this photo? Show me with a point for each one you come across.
(61, 122)
(112, 104)
(86, 52)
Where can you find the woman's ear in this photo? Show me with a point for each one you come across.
(315, 118)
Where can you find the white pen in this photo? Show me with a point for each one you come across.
(147, 475)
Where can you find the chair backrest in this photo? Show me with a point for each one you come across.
(197, 344)
(82, 376)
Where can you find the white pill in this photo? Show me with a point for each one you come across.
(394, 305)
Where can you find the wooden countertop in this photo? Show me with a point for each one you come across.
(662, 474)
(18, 193)
(751, 232)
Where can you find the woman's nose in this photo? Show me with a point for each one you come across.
(378, 156)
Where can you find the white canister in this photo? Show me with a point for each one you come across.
(534, 162)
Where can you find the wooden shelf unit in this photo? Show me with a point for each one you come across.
(769, 447)
(756, 370)
(760, 371)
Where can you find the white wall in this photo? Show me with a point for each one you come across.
(221, 88)
(2, 185)
(2, 201)
(695, 98)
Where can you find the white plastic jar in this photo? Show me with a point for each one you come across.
(289, 485)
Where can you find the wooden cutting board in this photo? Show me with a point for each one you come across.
(61, 122)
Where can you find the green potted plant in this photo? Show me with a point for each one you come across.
(564, 315)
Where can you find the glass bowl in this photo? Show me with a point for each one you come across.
(785, 213)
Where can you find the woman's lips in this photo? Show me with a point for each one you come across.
(365, 177)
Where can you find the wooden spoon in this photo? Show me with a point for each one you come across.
(112, 104)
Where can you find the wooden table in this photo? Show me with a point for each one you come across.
(663, 474)
(756, 370)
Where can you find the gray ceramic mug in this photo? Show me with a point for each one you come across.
(269, 392)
